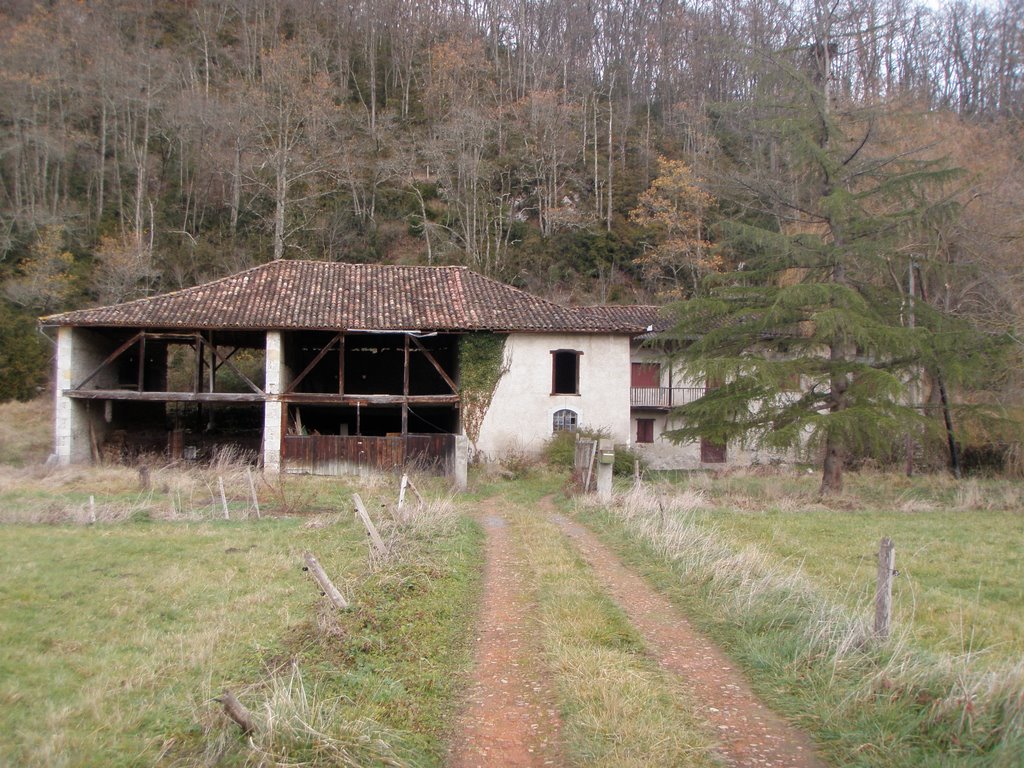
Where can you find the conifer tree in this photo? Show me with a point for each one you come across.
(819, 251)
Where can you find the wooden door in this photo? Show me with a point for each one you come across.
(712, 453)
(646, 375)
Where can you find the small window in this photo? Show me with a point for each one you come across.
(564, 421)
(645, 430)
(565, 372)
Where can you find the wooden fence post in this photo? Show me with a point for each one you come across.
(237, 712)
(331, 591)
(883, 592)
(415, 491)
(223, 498)
(401, 491)
(378, 542)
(92, 509)
(252, 489)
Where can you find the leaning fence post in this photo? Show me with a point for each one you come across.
(401, 491)
(223, 498)
(252, 489)
(378, 542)
(332, 592)
(883, 592)
(237, 712)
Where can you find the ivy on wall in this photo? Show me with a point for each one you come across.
(481, 366)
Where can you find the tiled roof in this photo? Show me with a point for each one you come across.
(643, 316)
(313, 295)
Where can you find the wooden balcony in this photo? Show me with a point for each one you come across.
(663, 398)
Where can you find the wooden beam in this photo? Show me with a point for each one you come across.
(225, 361)
(213, 364)
(341, 364)
(229, 355)
(108, 360)
(165, 397)
(405, 388)
(142, 360)
(197, 377)
(437, 366)
(327, 398)
(312, 364)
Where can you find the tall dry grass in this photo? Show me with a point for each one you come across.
(26, 432)
(298, 724)
(54, 494)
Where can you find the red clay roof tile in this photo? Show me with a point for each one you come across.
(314, 295)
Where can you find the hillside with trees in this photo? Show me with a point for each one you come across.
(614, 151)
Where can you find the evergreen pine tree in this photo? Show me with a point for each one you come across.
(828, 220)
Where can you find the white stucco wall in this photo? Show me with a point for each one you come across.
(665, 454)
(521, 412)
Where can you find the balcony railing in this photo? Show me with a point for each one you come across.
(664, 397)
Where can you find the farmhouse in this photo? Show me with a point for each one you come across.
(328, 367)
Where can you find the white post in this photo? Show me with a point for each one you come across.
(273, 408)
(460, 470)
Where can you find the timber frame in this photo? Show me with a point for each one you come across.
(359, 384)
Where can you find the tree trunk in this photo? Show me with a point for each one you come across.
(832, 469)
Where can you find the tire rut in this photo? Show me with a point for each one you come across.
(749, 734)
(509, 717)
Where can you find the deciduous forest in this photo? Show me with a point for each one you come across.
(600, 150)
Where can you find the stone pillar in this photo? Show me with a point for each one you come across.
(63, 406)
(605, 467)
(78, 353)
(273, 408)
(460, 461)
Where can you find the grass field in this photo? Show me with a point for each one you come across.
(118, 636)
(959, 548)
(782, 581)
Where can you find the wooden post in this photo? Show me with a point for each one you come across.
(237, 712)
(378, 542)
(405, 390)
(331, 591)
(252, 489)
(92, 509)
(401, 491)
(636, 472)
(223, 498)
(883, 592)
(590, 467)
(415, 491)
(144, 483)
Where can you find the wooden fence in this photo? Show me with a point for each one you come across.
(583, 466)
(348, 454)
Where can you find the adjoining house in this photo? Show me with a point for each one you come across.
(327, 367)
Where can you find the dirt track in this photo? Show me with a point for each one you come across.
(510, 718)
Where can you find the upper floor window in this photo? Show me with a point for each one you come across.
(564, 421)
(565, 372)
